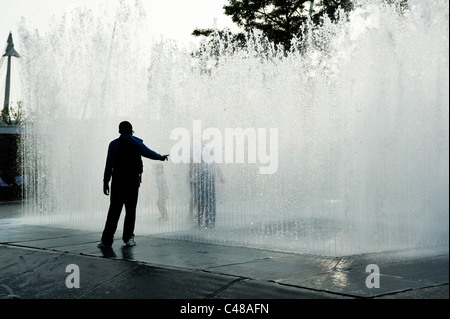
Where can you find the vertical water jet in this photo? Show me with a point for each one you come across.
(362, 126)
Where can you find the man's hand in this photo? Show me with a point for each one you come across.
(106, 188)
(165, 157)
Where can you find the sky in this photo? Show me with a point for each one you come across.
(171, 19)
(174, 19)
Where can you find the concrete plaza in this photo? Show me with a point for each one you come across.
(35, 264)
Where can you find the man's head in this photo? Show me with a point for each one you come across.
(125, 127)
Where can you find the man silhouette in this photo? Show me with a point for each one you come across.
(124, 165)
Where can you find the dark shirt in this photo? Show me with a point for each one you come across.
(120, 177)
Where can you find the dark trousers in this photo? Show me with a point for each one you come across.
(119, 197)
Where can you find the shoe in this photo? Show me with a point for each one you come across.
(130, 242)
(102, 245)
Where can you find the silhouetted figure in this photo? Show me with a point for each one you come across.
(124, 165)
(21, 180)
(20, 183)
(163, 191)
(204, 192)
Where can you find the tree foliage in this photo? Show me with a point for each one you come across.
(279, 20)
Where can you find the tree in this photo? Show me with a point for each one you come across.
(279, 20)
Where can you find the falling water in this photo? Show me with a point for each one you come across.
(362, 118)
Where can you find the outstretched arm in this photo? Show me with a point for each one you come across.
(148, 153)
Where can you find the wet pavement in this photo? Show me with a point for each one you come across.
(42, 262)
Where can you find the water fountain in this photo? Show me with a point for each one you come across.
(362, 128)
